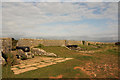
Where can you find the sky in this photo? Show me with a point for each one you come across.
(96, 21)
(60, 0)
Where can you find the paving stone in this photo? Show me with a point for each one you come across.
(14, 68)
(58, 58)
(60, 61)
(39, 66)
(22, 66)
(68, 58)
(42, 62)
(50, 64)
(25, 70)
(48, 61)
(46, 64)
(35, 64)
(31, 68)
(28, 64)
(16, 73)
(54, 63)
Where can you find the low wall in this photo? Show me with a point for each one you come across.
(36, 42)
(29, 42)
(53, 42)
(100, 42)
(72, 42)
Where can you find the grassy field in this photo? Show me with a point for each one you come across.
(107, 54)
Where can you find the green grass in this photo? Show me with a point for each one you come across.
(39, 46)
(60, 51)
(92, 47)
(84, 57)
(88, 48)
(64, 68)
(110, 52)
(6, 72)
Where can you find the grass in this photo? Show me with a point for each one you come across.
(65, 68)
(6, 72)
(84, 57)
(60, 51)
(18, 67)
(54, 70)
(110, 51)
(88, 48)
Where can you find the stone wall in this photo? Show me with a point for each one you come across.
(29, 42)
(94, 43)
(72, 42)
(5, 45)
(54, 42)
(36, 42)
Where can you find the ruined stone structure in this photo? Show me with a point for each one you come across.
(29, 42)
(54, 42)
(72, 42)
(36, 42)
(5, 45)
(95, 43)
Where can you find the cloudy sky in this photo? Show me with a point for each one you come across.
(61, 20)
(60, 0)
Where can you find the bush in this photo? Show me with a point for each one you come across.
(88, 43)
(83, 42)
(14, 42)
(11, 59)
(97, 44)
(39, 46)
(4, 56)
(23, 57)
(117, 43)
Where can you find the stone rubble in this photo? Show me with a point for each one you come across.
(2, 61)
(50, 54)
(38, 51)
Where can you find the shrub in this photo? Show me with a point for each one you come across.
(97, 44)
(4, 56)
(39, 46)
(11, 59)
(14, 42)
(83, 42)
(117, 43)
(23, 57)
(88, 43)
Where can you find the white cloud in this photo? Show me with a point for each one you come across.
(60, 0)
(0, 20)
(27, 11)
(27, 19)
